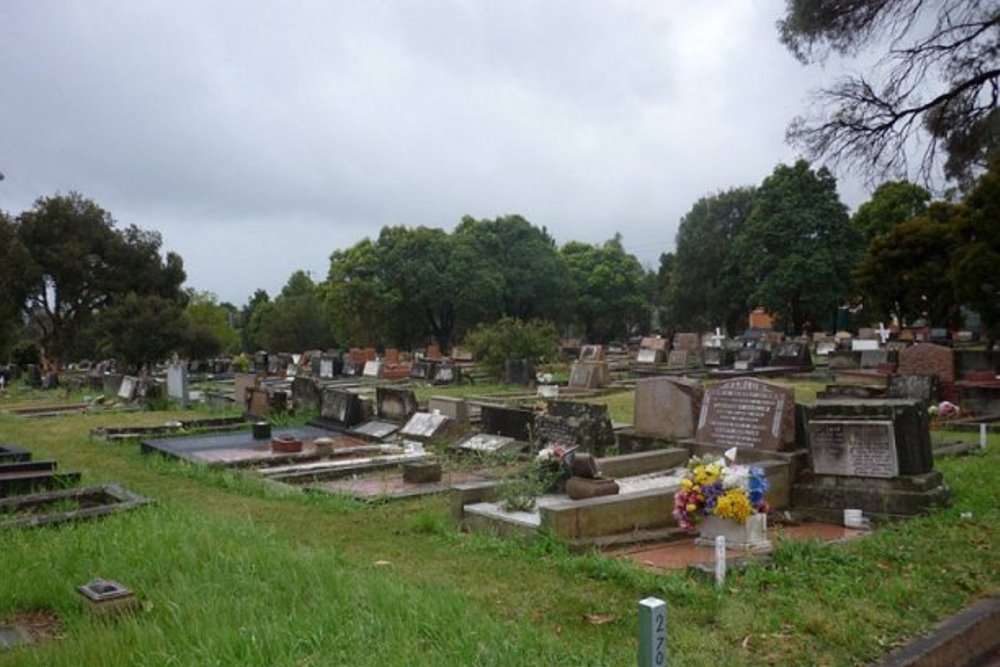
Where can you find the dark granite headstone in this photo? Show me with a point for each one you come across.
(792, 353)
(447, 374)
(341, 406)
(511, 422)
(305, 393)
(748, 413)
(748, 358)
(585, 425)
(718, 357)
(423, 370)
(395, 404)
(589, 374)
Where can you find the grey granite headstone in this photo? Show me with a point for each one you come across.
(667, 407)
(177, 382)
(855, 448)
(424, 426)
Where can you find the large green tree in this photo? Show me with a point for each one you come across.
(204, 312)
(976, 261)
(297, 319)
(795, 252)
(906, 271)
(12, 262)
(702, 295)
(935, 89)
(76, 263)
(891, 203)
(141, 329)
(607, 294)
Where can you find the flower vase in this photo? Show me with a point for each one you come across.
(748, 536)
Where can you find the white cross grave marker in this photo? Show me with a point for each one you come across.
(882, 332)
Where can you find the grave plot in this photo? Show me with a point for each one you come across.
(405, 480)
(21, 477)
(111, 433)
(55, 507)
(237, 449)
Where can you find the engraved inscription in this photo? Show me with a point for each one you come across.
(743, 413)
(853, 448)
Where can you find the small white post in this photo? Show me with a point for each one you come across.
(652, 632)
(982, 436)
(720, 560)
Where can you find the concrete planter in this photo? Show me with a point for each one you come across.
(748, 536)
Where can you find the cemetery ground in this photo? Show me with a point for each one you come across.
(232, 571)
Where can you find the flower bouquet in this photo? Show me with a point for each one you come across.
(714, 486)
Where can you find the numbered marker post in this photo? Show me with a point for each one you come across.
(652, 633)
(720, 560)
(982, 436)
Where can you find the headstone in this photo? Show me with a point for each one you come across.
(874, 358)
(456, 409)
(127, 389)
(939, 335)
(792, 353)
(573, 423)
(589, 374)
(373, 369)
(519, 371)
(825, 348)
(654, 343)
(748, 358)
(924, 388)
(177, 382)
(718, 356)
(447, 374)
(423, 370)
(484, 443)
(928, 359)
(243, 382)
(352, 367)
(433, 352)
(844, 360)
(425, 426)
(688, 342)
(395, 404)
(668, 406)
(511, 422)
(375, 429)
(649, 356)
(592, 353)
(748, 413)
(391, 356)
(328, 367)
(869, 438)
(257, 404)
(305, 393)
(682, 359)
(864, 344)
(112, 383)
(341, 406)
(867, 333)
(855, 448)
(461, 354)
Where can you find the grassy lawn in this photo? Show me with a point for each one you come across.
(232, 572)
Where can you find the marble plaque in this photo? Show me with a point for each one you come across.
(748, 413)
(855, 448)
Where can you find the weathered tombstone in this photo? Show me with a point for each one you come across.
(686, 341)
(654, 343)
(112, 383)
(940, 336)
(592, 353)
(792, 353)
(447, 374)
(748, 358)
(461, 354)
(395, 404)
(683, 359)
(844, 360)
(484, 443)
(589, 374)
(649, 356)
(928, 359)
(874, 358)
(341, 406)
(373, 369)
(423, 370)
(668, 406)
(748, 413)
(519, 371)
(870, 455)
(456, 409)
(257, 404)
(867, 333)
(510, 422)
(433, 352)
(242, 382)
(305, 393)
(825, 348)
(573, 423)
(863, 344)
(425, 426)
(924, 388)
(177, 382)
(329, 366)
(128, 387)
(718, 356)
(351, 367)
(391, 356)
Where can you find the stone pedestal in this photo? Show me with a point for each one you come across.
(748, 536)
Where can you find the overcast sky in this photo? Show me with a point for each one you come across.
(258, 137)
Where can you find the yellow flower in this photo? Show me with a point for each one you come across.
(687, 483)
(734, 504)
(691, 507)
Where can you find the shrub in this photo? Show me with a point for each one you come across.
(511, 338)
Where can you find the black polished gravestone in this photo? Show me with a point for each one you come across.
(585, 425)
(749, 358)
(926, 388)
(306, 393)
(718, 357)
(792, 353)
(447, 374)
(12, 453)
(342, 406)
(510, 422)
